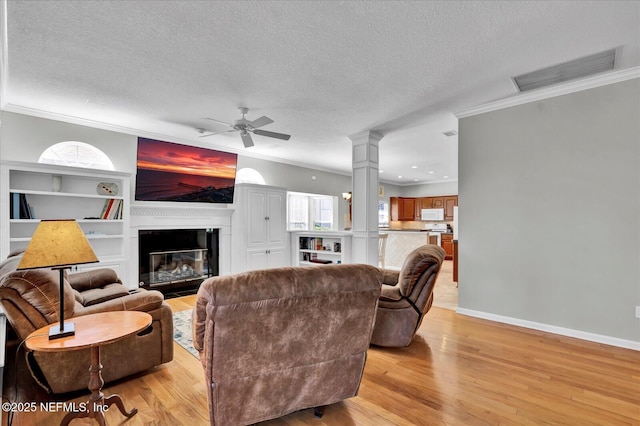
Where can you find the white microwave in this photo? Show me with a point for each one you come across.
(432, 214)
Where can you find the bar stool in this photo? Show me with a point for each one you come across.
(382, 247)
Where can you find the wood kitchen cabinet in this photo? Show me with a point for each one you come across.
(403, 208)
(449, 203)
(410, 208)
(437, 202)
(446, 242)
(425, 202)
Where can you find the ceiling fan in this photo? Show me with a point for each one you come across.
(245, 127)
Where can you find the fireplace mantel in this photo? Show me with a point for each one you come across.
(181, 216)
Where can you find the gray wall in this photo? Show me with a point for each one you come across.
(549, 196)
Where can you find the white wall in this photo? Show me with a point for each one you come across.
(302, 179)
(23, 138)
(429, 189)
(549, 196)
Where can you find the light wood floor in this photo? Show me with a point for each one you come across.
(458, 371)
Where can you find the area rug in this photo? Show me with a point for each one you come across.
(182, 331)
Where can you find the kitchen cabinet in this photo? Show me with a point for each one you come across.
(425, 202)
(404, 208)
(410, 208)
(449, 203)
(437, 202)
(446, 242)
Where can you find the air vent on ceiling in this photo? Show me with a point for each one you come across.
(577, 68)
(450, 133)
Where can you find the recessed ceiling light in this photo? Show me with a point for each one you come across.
(380, 171)
(446, 177)
(431, 172)
(414, 167)
(399, 176)
(415, 180)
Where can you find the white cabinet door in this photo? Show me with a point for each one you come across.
(276, 218)
(257, 215)
(265, 258)
(257, 259)
(276, 258)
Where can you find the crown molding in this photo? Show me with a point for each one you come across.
(419, 183)
(552, 91)
(19, 109)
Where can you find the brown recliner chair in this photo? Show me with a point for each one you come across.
(280, 340)
(30, 299)
(406, 297)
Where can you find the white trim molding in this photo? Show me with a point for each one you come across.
(562, 331)
(552, 91)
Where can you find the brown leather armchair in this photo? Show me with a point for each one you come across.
(406, 297)
(30, 299)
(280, 340)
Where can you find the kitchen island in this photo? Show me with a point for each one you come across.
(400, 243)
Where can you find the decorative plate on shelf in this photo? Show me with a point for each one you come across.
(107, 188)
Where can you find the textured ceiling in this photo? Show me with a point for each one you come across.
(320, 70)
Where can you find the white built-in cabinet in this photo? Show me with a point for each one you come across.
(259, 228)
(59, 192)
(320, 247)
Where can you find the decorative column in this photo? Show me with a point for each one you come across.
(364, 181)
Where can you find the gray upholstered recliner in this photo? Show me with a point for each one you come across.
(407, 296)
(30, 299)
(280, 340)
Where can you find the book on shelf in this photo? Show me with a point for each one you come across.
(112, 209)
(20, 208)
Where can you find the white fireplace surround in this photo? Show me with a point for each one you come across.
(153, 217)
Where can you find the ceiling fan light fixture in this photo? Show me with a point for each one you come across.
(246, 127)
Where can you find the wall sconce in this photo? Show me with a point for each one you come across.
(347, 196)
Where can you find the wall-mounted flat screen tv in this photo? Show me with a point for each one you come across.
(169, 171)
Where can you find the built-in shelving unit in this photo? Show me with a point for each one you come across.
(31, 192)
(322, 247)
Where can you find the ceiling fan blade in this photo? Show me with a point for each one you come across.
(212, 133)
(272, 134)
(259, 122)
(246, 139)
(218, 121)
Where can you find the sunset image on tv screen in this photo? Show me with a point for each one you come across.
(172, 172)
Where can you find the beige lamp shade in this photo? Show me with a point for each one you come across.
(57, 243)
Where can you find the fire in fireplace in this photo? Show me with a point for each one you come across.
(170, 259)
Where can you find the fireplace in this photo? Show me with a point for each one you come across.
(173, 259)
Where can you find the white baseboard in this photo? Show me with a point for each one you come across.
(592, 337)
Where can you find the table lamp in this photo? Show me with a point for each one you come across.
(59, 245)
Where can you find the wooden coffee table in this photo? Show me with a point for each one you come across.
(93, 331)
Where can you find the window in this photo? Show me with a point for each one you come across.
(249, 175)
(297, 212)
(76, 154)
(311, 212)
(383, 213)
